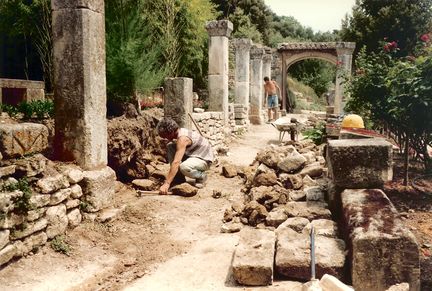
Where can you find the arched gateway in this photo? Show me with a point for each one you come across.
(338, 53)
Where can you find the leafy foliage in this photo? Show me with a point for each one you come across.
(21, 204)
(41, 108)
(316, 134)
(60, 245)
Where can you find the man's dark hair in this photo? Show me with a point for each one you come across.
(167, 125)
(266, 79)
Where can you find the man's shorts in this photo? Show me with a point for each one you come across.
(272, 101)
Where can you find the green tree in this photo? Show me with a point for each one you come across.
(397, 20)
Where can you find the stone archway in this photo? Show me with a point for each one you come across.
(337, 53)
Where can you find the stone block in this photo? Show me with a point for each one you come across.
(95, 5)
(40, 200)
(7, 254)
(60, 196)
(31, 166)
(98, 187)
(74, 217)
(323, 227)
(11, 220)
(7, 171)
(76, 191)
(7, 200)
(52, 183)
(310, 210)
(73, 175)
(254, 257)
(276, 217)
(314, 193)
(384, 251)
(21, 139)
(33, 241)
(4, 238)
(73, 203)
(179, 100)
(29, 229)
(295, 223)
(360, 163)
(33, 215)
(219, 28)
(57, 220)
(293, 255)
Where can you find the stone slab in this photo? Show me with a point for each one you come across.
(310, 210)
(98, 187)
(293, 255)
(384, 251)
(254, 257)
(360, 163)
(21, 139)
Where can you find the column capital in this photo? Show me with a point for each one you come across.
(256, 52)
(242, 43)
(267, 57)
(95, 5)
(219, 27)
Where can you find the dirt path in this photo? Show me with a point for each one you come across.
(159, 243)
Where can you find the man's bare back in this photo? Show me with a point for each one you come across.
(270, 87)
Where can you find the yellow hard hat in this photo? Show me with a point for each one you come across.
(353, 121)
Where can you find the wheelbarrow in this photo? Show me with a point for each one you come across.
(284, 127)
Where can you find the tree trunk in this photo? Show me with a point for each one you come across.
(406, 161)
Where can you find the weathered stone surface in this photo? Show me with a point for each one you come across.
(384, 251)
(60, 196)
(74, 218)
(73, 175)
(31, 166)
(95, 5)
(219, 28)
(144, 184)
(265, 179)
(91, 217)
(276, 217)
(78, 33)
(312, 170)
(291, 181)
(7, 200)
(297, 195)
(7, 254)
(76, 191)
(295, 223)
(109, 214)
(310, 157)
(4, 238)
(229, 171)
(331, 283)
(52, 183)
(185, 190)
(310, 210)
(255, 213)
(314, 193)
(33, 241)
(231, 227)
(324, 227)
(308, 181)
(98, 187)
(399, 287)
(360, 163)
(57, 220)
(178, 101)
(268, 157)
(40, 200)
(293, 255)
(292, 163)
(29, 229)
(253, 258)
(33, 215)
(72, 203)
(11, 220)
(261, 193)
(7, 171)
(22, 139)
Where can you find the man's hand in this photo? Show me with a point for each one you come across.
(163, 190)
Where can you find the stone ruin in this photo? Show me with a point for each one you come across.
(360, 238)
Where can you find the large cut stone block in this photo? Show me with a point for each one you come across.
(384, 251)
(310, 210)
(57, 220)
(360, 163)
(254, 257)
(80, 83)
(98, 187)
(178, 100)
(293, 255)
(21, 139)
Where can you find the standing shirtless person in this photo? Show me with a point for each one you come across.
(271, 97)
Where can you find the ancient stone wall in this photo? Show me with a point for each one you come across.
(40, 199)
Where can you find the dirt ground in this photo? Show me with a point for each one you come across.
(173, 243)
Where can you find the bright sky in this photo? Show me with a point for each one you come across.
(320, 15)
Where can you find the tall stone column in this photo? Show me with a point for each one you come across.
(267, 62)
(344, 64)
(242, 75)
(256, 86)
(79, 82)
(219, 32)
(178, 101)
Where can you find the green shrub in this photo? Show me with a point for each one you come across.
(9, 109)
(60, 245)
(22, 204)
(316, 134)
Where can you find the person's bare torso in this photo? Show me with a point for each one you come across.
(270, 88)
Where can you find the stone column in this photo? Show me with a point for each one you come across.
(242, 76)
(256, 86)
(219, 31)
(79, 82)
(178, 101)
(344, 64)
(267, 62)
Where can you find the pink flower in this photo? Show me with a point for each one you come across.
(425, 37)
(390, 46)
